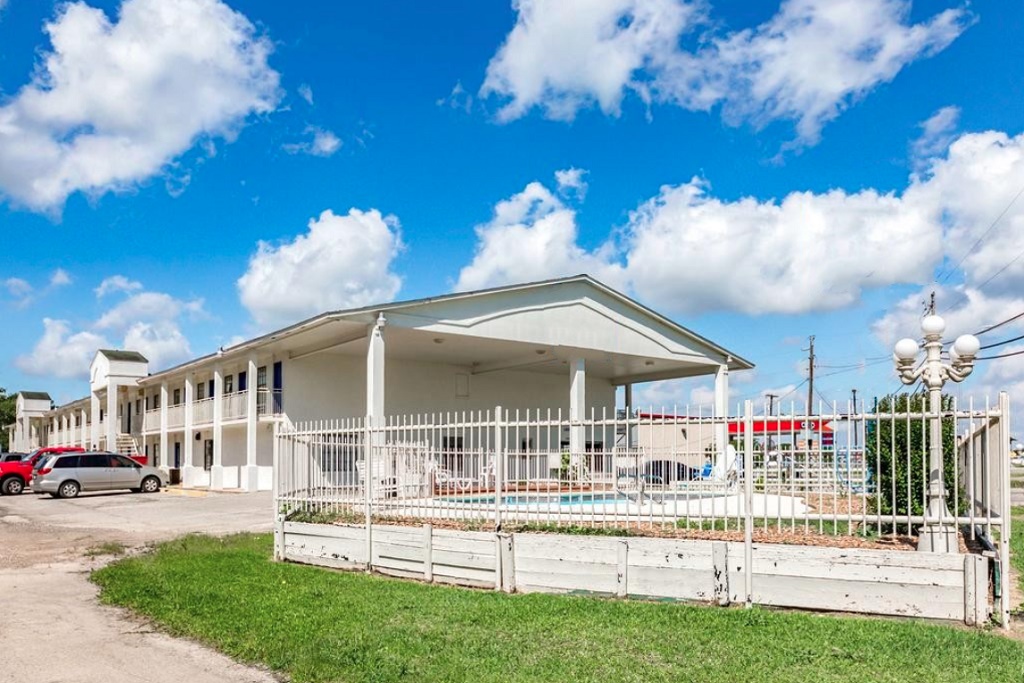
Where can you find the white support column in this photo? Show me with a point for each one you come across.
(577, 408)
(111, 416)
(249, 479)
(375, 373)
(65, 438)
(188, 464)
(53, 439)
(163, 427)
(94, 431)
(217, 470)
(721, 411)
(83, 431)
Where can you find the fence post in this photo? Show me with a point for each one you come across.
(748, 501)
(499, 466)
(720, 563)
(1005, 513)
(367, 493)
(275, 485)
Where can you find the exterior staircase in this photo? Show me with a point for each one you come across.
(126, 445)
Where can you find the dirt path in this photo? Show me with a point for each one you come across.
(54, 630)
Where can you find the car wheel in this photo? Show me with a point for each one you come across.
(150, 485)
(68, 489)
(12, 486)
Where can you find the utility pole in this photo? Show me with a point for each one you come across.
(771, 411)
(771, 403)
(810, 377)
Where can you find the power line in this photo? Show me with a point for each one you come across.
(1002, 355)
(981, 239)
(1002, 343)
(999, 324)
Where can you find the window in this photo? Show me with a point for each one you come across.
(229, 384)
(261, 377)
(66, 462)
(147, 402)
(242, 384)
(177, 397)
(200, 391)
(210, 389)
(92, 461)
(122, 462)
(138, 406)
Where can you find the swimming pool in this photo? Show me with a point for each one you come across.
(585, 499)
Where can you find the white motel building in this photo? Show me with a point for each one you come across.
(564, 344)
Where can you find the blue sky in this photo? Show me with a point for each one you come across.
(758, 173)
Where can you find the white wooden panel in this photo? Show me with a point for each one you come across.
(678, 584)
(326, 545)
(860, 596)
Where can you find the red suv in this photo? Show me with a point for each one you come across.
(15, 476)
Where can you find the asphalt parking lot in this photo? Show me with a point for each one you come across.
(54, 630)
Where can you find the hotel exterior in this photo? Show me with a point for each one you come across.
(559, 345)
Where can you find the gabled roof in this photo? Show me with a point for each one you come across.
(737, 363)
(34, 395)
(117, 354)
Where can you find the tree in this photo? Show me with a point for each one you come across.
(898, 448)
(7, 416)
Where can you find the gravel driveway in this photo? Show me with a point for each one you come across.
(54, 630)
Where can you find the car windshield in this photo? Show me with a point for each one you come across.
(42, 461)
(28, 457)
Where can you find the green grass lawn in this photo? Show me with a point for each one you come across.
(320, 625)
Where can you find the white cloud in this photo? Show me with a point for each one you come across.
(458, 98)
(59, 278)
(147, 322)
(937, 132)
(533, 236)
(805, 64)
(117, 283)
(111, 104)
(147, 306)
(974, 192)
(322, 143)
(965, 309)
(17, 287)
(341, 262)
(306, 93)
(571, 183)
(688, 251)
(564, 55)
(61, 353)
(161, 342)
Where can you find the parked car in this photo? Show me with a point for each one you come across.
(15, 476)
(11, 457)
(64, 476)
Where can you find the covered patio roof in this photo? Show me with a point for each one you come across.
(538, 327)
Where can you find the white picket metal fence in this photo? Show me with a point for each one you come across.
(852, 472)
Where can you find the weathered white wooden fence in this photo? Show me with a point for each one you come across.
(827, 474)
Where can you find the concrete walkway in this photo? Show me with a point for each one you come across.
(54, 630)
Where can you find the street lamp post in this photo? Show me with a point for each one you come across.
(938, 534)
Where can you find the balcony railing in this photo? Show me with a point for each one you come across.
(235, 405)
(176, 415)
(269, 402)
(152, 421)
(202, 411)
